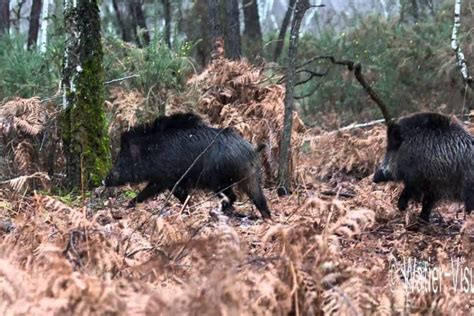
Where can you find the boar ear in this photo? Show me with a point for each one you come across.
(135, 151)
(395, 137)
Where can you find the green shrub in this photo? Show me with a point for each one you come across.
(406, 64)
(27, 73)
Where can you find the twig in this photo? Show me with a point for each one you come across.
(107, 82)
(121, 79)
(342, 194)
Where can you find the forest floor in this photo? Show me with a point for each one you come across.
(337, 245)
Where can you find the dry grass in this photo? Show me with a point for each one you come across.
(321, 254)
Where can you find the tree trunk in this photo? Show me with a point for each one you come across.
(283, 169)
(126, 37)
(86, 143)
(284, 26)
(34, 23)
(232, 43)
(217, 37)
(252, 31)
(167, 7)
(4, 17)
(140, 22)
(44, 26)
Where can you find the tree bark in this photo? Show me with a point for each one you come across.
(44, 26)
(232, 44)
(4, 17)
(126, 37)
(86, 143)
(167, 7)
(217, 37)
(34, 23)
(283, 169)
(140, 22)
(252, 31)
(284, 26)
(460, 58)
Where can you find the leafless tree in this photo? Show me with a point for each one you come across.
(4, 17)
(167, 9)
(34, 23)
(252, 30)
(283, 169)
(215, 26)
(284, 26)
(232, 34)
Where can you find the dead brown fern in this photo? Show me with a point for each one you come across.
(30, 138)
(233, 95)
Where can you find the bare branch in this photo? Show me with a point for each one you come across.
(357, 69)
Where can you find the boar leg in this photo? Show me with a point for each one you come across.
(428, 203)
(180, 193)
(257, 197)
(469, 199)
(150, 190)
(404, 198)
(231, 197)
(408, 193)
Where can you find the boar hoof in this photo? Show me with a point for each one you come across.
(132, 204)
(402, 204)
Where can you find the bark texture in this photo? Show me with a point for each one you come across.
(252, 30)
(4, 17)
(232, 36)
(167, 9)
(143, 35)
(284, 26)
(283, 170)
(34, 23)
(124, 29)
(217, 37)
(84, 125)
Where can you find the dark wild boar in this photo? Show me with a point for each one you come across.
(162, 152)
(433, 155)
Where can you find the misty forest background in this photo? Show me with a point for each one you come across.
(404, 46)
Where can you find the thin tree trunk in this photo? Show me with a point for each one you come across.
(17, 15)
(252, 30)
(84, 126)
(126, 37)
(139, 20)
(217, 38)
(414, 10)
(284, 26)
(34, 23)
(4, 17)
(167, 7)
(232, 46)
(283, 169)
(44, 26)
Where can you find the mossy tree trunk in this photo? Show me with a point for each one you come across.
(86, 142)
